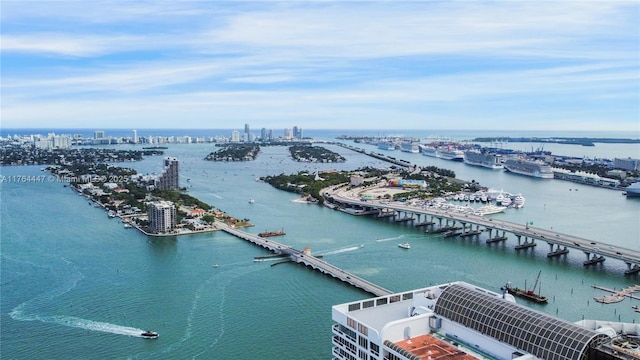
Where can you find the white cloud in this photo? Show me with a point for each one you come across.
(312, 61)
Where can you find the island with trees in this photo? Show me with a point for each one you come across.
(235, 152)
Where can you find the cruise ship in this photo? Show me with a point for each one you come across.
(449, 153)
(633, 190)
(386, 145)
(427, 150)
(484, 159)
(410, 147)
(461, 321)
(533, 168)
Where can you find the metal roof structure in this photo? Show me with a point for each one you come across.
(526, 329)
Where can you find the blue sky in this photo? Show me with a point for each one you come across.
(503, 65)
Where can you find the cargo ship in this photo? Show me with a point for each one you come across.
(527, 167)
(484, 159)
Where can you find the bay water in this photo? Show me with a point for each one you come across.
(76, 284)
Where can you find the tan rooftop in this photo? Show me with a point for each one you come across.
(428, 347)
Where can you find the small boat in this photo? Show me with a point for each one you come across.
(127, 225)
(148, 334)
(251, 201)
(215, 266)
(404, 245)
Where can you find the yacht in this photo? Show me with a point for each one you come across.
(251, 201)
(405, 245)
(518, 201)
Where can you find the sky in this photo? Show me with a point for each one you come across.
(487, 65)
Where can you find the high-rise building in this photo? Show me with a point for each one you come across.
(287, 134)
(295, 132)
(235, 136)
(98, 134)
(247, 131)
(169, 179)
(162, 216)
(135, 136)
(263, 134)
(462, 321)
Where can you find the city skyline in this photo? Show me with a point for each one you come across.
(334, 65)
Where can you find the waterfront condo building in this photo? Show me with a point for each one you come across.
(169, 179)
(462, 321)
(162, 216)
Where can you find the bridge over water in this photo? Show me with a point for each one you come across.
(305, 258)
(559, 243)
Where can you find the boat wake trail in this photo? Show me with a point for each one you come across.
(85, 324)
(217, 196)
(390, 239)
(340, 251)
(25, 311)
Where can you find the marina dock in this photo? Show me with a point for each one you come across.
(617, 295)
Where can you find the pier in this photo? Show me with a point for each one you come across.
(617, 295)
(305, 258)
(527, 236)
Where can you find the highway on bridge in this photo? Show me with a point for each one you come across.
(589, 247)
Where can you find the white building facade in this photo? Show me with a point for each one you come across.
(458, 321)
(162, 216)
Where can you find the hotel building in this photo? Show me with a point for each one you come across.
(462, 321)
(162, 216)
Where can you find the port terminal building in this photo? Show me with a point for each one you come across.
(462, 321)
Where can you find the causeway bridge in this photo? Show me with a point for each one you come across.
(305, 258)
(472, 225)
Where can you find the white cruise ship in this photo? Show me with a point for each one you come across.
(386, 145)
(466, 322)
(449, 153)
(410, 147)
(427, 150)
(532, 168)
(484, 159)
(633, 190)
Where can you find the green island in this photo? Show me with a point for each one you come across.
(235, 152)
(315, 154)
(18, 155)
(417, 183)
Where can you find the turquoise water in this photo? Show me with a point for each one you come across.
(84, 285)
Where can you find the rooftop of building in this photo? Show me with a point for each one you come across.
(427, 347)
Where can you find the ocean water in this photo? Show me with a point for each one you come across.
(86, 286)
